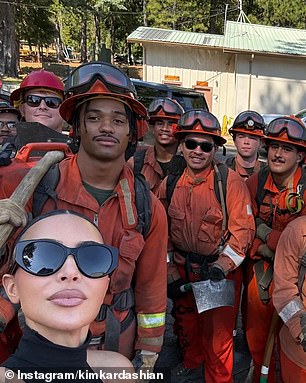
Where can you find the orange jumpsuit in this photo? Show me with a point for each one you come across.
(196, 226)
(257, 315)
(289, 303)
(152, 170)
(138, 256)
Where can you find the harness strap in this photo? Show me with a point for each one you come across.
(202, 260)
(121, 302)
(263, 279)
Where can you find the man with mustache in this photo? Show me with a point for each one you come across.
(107, 120)
(209, 238)
(278, 196)
(156, 162)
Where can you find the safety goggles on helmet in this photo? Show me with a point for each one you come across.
(45, 257)
(168, 106)
(295, 130)
(51, 101)
(191, 144)
(249, 120)
(83, 77)
(207, 120)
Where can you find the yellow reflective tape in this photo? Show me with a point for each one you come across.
(151, 320)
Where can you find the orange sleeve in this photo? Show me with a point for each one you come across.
(241, 224)
(286, 299)
(151, 282)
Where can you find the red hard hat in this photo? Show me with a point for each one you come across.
(38, 79)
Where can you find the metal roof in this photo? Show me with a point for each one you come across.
(265, 39)
(170, 36)
(238, 37)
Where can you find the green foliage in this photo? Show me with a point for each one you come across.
(34, 22)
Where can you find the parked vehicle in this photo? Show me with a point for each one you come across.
(188, 98)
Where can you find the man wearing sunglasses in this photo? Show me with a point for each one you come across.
(9, 116)
(155, 162)
(209, 241)
(278, 196)
(247, 131)
(38, 98)
(107, 120)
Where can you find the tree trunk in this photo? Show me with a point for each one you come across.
(8, 46)
(84, 38)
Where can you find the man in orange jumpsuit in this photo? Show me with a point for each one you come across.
(277, 198)
(155, 162)
(207, 244)
(289, 299)
(247, 131)
(96, 182)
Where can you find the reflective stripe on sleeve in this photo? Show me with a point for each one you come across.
(151, 320)
(236, 258)
(290, 309)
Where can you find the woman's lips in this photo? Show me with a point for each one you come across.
(68, 297)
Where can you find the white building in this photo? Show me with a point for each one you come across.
(251, 66)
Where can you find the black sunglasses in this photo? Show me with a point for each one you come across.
(45, 257)
(206, 147)
(51, 101)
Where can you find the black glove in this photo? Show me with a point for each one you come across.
(216, 273)
(303, 333)
(173, 289)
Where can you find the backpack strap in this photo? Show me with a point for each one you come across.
(143, 204)
(139, 157)
(262, 178)
(231, 162)
(46, 189)
(170, 186)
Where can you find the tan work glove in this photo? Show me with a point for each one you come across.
(266, 252)
(12, 213)
(262, 230)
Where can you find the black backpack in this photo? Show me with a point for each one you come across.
(48, 184)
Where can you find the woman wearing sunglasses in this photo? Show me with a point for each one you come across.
(39, 97)
(209, 243)
(59, 274)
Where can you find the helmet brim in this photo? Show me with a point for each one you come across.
(256, 132)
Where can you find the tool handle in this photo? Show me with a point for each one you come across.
(269, 349)
(27, 186)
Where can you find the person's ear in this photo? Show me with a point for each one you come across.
(301, 157)
(21, 110)
(9, 284)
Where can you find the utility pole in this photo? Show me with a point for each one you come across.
(242, 18)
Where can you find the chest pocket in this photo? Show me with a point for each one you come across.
(211, 226)
(177, 222)
(131, 246)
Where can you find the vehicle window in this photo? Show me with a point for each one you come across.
(190, 101)
(146, 94)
